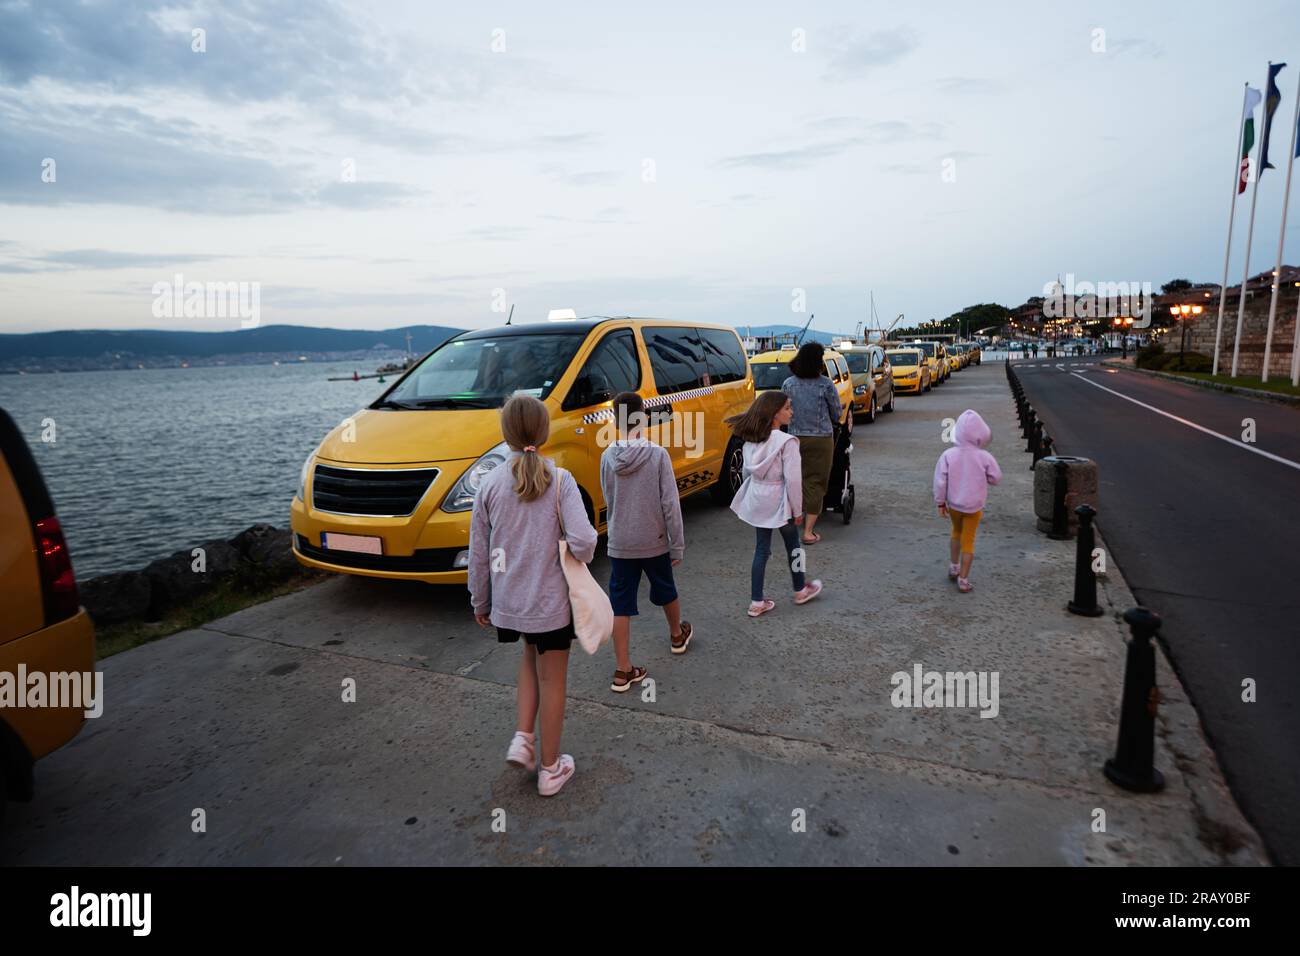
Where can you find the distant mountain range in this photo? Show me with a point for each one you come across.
(151, 344)
(148, 348)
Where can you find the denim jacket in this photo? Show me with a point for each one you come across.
(816, 405)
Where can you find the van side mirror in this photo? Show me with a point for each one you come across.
(589, 390)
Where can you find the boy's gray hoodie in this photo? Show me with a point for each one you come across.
(644, 513)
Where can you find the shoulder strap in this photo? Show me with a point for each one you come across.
(559, 514)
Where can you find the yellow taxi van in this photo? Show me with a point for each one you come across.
(771, 369)
(388, 492)
(44, 629)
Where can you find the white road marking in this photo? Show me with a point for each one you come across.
(1200, 428)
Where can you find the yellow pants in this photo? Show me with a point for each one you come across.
(963, 528)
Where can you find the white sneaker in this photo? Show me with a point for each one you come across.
(521, 753)
(551, 780)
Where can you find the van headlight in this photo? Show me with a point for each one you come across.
(302, 478)
(461, 497)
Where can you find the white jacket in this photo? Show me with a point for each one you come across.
(772, 492)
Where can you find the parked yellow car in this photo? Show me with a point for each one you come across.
(771, 369)
(934, 357)
(44, 629)
(873, 382)
(911, 370)
(388, 493)
(953, 356)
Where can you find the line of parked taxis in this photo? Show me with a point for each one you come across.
(388, 493)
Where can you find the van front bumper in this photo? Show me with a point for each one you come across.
(423, 546)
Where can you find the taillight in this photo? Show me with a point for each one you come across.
(58, 584)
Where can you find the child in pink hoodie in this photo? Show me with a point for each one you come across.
(961, 487)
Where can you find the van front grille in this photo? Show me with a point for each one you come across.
(387, 492)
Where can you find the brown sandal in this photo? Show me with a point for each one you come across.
(623, 680)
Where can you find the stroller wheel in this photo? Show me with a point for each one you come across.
(846, 504)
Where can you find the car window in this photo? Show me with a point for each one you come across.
(843, 367)
(770, 375)
(612, 367)
(857, 361)
(831, 371)
(676, 358)
(725, 358)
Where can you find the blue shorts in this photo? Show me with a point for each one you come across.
(625, 581)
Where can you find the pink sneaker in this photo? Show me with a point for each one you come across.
(521, 752)
(964, 586)
(954, 572)
(550, 780)
(810, 591)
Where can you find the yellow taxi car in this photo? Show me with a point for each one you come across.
(771, 369)
(388, 493)
(934, 356)
(873, 382)
(44, 629)
(911, 370)
(953, 356)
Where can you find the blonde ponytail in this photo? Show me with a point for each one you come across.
(525, 425)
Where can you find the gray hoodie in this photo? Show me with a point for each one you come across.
(644, 513)
(514, 555)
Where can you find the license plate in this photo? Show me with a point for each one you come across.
(361, 543)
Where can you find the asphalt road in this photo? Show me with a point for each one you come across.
(1206, 531)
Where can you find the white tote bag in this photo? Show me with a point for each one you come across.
(593, 615)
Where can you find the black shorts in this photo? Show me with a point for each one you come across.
(557, 640)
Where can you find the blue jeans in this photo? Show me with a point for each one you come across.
(763, 550)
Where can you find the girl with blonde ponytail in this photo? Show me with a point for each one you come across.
(516, 583)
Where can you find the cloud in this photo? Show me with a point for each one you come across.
(96, 259)
(863, 133)
(1136, 46)
(856, 56)
(970, 85)
(594, 177)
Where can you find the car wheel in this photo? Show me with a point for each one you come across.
(733, 473)
(871, 412)
(892, 395)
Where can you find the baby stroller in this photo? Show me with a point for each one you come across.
(839, 488)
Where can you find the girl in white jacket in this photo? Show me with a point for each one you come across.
(771, 496)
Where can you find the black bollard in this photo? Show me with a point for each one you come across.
(1042, 449)
(1133, 766)
(1060, 517)
(1085, 582)
(1035, 435)
(1028, 425)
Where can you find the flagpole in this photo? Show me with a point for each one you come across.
(1277, 274)
(1232, 212)
(1250, 233)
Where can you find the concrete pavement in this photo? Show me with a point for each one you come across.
(763, 723)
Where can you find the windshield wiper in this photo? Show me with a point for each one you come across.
(455, 403)
(391, 404)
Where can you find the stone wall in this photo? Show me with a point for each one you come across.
(1200, 332)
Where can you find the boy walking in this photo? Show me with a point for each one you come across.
(644, 519)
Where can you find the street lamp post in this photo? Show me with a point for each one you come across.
(1180, 313)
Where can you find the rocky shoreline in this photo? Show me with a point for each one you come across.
(259, 556)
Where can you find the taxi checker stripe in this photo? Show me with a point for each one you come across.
(608, 413)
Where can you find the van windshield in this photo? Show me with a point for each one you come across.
(905, 359)
(484, 372)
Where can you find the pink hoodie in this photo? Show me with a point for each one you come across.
(964, 472)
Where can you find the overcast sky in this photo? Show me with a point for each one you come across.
(661, 159)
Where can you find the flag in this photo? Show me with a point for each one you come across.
(1271, 99)
(1253, 96)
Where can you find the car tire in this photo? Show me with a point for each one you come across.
(733, 473)
(871, 411)
(892, 395)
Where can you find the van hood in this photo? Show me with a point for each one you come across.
(394, 437)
